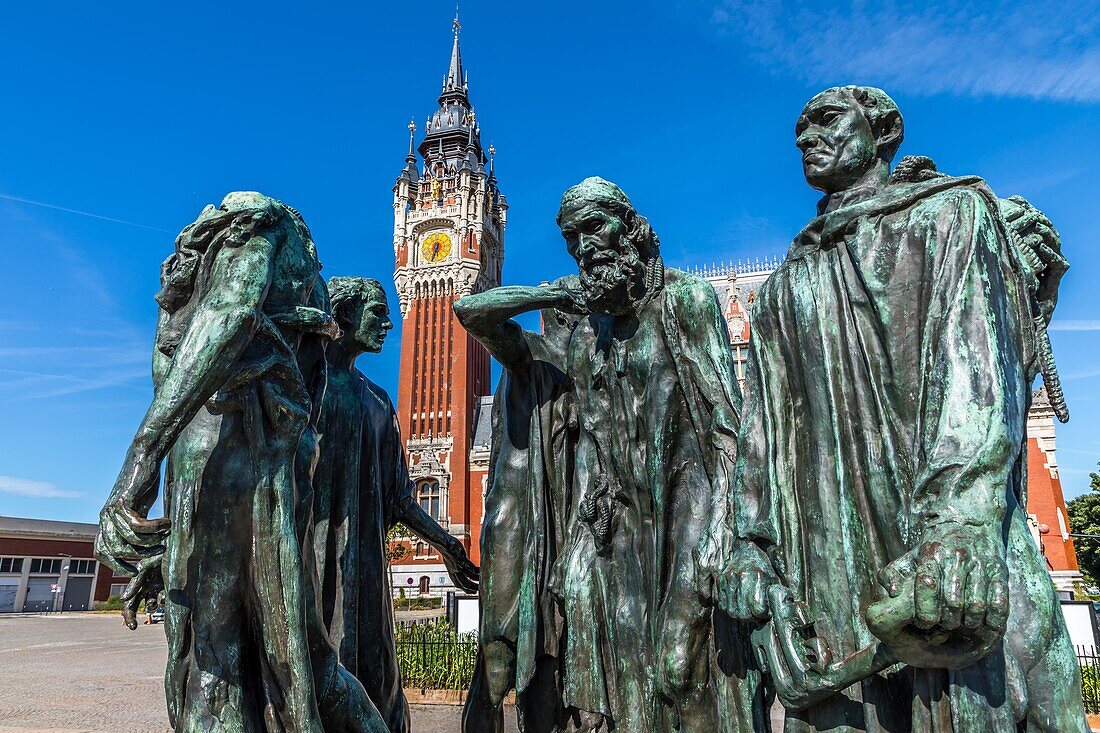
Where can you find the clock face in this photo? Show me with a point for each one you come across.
(435, 247)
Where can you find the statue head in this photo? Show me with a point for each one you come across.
(360, 308)
(614, 246)
(847, 133)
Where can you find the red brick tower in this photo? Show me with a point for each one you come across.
(448, 238)
(1046, 506)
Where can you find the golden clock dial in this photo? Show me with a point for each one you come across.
(435, 247)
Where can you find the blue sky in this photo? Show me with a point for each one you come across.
(121, 121)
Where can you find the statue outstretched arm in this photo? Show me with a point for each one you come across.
(488, 315)
(464, 574)
(219, 331)
(408, 512)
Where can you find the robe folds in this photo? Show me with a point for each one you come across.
(246, 647)
(610, 445)
(887, 394)
(361, 477)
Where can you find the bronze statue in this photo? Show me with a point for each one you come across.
(361, 490)
(876, 521)
(614, 433)
(238, 373)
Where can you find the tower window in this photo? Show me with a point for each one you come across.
(428, 495)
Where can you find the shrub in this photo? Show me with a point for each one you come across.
(1090, 687)
(434, 656)
(114, 603)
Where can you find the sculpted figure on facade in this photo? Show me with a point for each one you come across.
(614, 431)
(875, 529)
(238, 372)
(361, 491)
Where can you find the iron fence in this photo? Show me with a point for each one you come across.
(434, 657)
(1088, 658)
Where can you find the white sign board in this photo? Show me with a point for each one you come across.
(1081, 622)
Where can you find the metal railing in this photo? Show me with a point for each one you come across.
(1088, 658)
(434, 657)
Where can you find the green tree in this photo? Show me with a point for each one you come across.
(396, 551)
(1084, 518)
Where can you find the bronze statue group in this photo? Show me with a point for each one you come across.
(659, 552)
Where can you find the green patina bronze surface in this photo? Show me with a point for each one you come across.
(614, 432)
(875, 522)
(239, 371)
(361, 490)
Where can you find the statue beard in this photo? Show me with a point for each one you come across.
(611, 287)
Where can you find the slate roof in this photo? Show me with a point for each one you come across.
(483, 422)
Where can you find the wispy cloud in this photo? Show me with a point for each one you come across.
(78, 212)
(1075, 325)
(35, 489)
(41, 372)
(1031, 49)
(1084, 374)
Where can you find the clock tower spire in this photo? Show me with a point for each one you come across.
(448, 240)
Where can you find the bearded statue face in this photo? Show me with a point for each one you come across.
(611, 267)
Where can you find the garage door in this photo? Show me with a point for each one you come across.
(39, 595)
(77, 591)
(8, 590)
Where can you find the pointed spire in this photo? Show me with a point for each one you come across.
(409, 171)
(455, 81)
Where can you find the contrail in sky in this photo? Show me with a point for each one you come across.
(81, 213)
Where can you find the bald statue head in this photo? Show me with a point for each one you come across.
(612, 243)
(847, 135)
(360, 308)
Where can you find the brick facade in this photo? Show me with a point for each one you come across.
(64, 553)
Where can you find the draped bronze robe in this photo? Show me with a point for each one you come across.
(609, 449)
(361, 478)
(887, 393)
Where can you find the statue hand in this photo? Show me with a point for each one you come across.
(148, 582)
(130, 543)
(800, 665)
(571, 296)
(960, 580)
(741, 581)
(464, 574)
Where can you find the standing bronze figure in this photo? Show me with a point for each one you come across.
(238, 374)
(876, 519)
(614, 433)
(361, 490)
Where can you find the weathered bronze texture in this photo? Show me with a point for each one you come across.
(361, 490)
(238, 374)
(614, 432)
(875, 528)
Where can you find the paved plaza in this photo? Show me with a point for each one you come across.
(86, 673)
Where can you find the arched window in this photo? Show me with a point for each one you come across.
(421, 549)
(427, 495)
(425, 585)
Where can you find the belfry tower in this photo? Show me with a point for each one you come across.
(448, 240)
